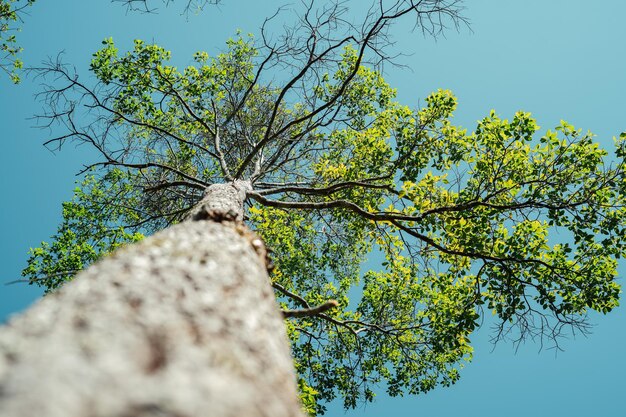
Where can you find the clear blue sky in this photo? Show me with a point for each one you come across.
(559, 59)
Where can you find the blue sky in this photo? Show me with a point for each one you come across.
(559, 59)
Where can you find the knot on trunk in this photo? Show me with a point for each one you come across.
(222, 202)
(205, 213)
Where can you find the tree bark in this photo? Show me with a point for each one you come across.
(182, 324)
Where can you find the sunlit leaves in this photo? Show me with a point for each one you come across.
(427, 138)
(529, 227)
(11, 12)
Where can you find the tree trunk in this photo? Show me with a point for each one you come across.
(182, 324)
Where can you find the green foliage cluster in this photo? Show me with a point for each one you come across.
(524, 226)
(95, 223)
(10, 15)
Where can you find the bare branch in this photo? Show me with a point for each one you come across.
(332, 29)
(145, 6)
(220, 156)
(298, 189)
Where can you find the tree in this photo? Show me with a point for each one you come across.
(11, 12)
(334, 168)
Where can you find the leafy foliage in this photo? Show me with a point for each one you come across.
(93, 225)
(10, 14)
(526, 226)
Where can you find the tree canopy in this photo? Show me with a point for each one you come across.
(501, 220)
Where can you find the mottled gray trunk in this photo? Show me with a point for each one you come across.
(183, 324)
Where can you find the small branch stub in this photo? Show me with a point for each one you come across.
(312, 311)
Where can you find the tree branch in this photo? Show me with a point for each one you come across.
(312, 311)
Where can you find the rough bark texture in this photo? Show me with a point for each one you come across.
(222, 202)
(183, 324)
